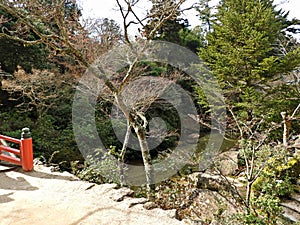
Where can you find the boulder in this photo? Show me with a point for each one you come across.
(207, 206)
(227, 163)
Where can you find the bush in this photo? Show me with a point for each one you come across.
(278, 177)
(275, 181)
(102, 167)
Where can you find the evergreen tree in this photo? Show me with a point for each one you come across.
(14, 53)
(205, 14)
(172, 26)
(175, 29)
(242, 49)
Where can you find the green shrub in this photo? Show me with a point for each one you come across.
(268, 206)
(275, 181)
(102, 167)
(278, 177)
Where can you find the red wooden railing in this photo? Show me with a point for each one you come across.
(22, 156)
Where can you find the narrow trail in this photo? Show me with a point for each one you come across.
(42, 197)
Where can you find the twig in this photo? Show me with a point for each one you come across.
(293, 115)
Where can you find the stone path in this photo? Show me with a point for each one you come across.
(45, 198)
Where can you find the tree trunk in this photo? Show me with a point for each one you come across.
(122, 155)
(141, 134)
(248, 193)
(125, 143)
(285, 128)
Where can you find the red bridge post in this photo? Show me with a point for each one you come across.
(26, 150)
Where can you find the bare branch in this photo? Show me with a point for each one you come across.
(236, 122)
(172, 12)
(295, 111)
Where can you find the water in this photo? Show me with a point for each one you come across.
(136, 174)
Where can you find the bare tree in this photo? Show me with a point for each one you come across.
(36, 91)
(55, 25)
(255, 150)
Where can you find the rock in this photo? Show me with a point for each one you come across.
(207, 206)
(227, 163)
(213, 198)
(136, 201)
(119, 194)
(291, 207)
(149, 205)
(215, 182)
(191, 222)
(210, 181)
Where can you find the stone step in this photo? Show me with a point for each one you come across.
(291, 214)
(296, 197)
(291, 207)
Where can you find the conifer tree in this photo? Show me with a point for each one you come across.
(242, 49)
(175, 29)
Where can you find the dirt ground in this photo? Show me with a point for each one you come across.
(42, 197)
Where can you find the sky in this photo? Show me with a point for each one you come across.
(108, 9)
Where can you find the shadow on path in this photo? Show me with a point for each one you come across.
(5, 198)
(14, 178)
